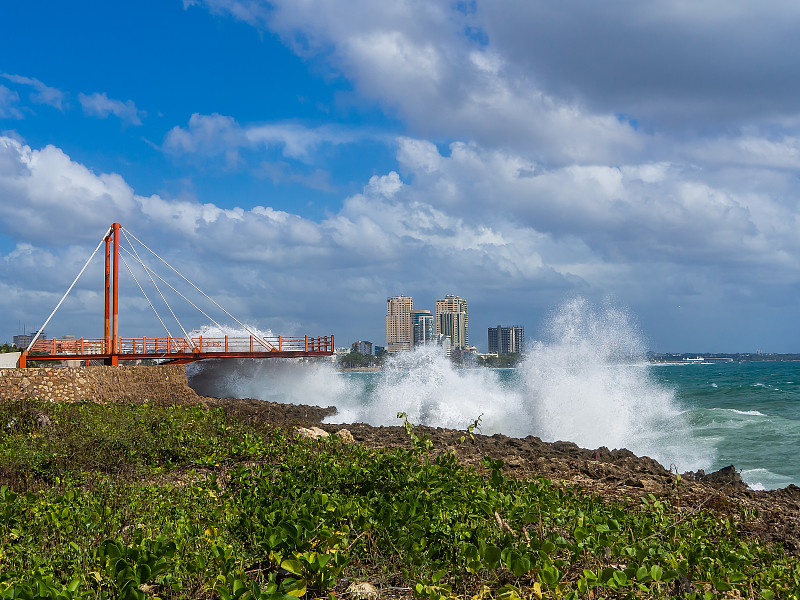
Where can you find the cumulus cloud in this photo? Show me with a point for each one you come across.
(260, 250)
(476, 222)
(100, 105)
(42, 188)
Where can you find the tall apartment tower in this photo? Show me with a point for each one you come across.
(452, 321)
(422, 321)
(507, 340)
(399, 328)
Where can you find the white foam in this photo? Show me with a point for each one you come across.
(764, 479)
(587, 383)
(426, 386)
(753, 413)
(292, 381)
(579, 387)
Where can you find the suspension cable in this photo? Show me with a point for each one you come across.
(174, 316)
(145, 296)
(245, 327)
(41, 329)
(165, 282)
(155, 285)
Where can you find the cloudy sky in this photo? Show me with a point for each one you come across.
(303, 160)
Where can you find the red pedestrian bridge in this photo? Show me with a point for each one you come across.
(111, 349)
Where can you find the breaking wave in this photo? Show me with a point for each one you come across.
(587, 382)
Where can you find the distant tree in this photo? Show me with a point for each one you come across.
(356, 359)
(503, 361)
(9, 348)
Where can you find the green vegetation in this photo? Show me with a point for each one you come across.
(137, 501)
(5, 348)
(503, 360)
(356, 359)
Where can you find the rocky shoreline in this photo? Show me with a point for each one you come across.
(773, 516)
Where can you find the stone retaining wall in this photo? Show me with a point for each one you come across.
(162, 384)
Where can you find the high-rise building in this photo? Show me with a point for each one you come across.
(507, 340)
(452, 321)
(399, 328)
(22, 341)
(444, 342)
(361, 347)
(422, 321)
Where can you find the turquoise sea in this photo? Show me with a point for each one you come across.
(749, 413)
(582, 383)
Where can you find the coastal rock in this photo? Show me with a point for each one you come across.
(727, 477)
(312, 432)
(346, 436)
(363, 591)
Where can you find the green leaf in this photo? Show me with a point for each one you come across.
(721, 585)
(550, 575)
(296, 588)
(656, 572)
(292, 565)
(437, 576)
(491, 555)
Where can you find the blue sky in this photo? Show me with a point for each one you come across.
(517, 154)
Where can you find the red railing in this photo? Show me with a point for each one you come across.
(169, 345)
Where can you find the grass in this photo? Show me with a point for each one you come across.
(136, 501)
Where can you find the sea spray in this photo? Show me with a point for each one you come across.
(287, 380)
(589, 383)
(426, 386)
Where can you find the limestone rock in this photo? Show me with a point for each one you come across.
(363, 591)
(312, 432)
(346, 436)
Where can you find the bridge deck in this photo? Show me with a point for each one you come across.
(179, 350)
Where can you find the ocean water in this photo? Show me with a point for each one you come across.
(583, 383)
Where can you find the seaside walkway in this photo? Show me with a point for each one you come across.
(178, 350)
(111, 349)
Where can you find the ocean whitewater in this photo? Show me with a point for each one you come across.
(587, 384)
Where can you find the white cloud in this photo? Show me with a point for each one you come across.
(100, 105)
(42, 94)
(215, 136)
(478, 222)
(8, 104)
(44, 192)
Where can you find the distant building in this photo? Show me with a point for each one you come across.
(452, 321)
(444, 342)
(507, 340)
(361, 347)
(399, 328)
(22, 341)
(424, 330)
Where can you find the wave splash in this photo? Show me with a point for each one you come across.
(587, 383)
(424, 384)
(290, 381)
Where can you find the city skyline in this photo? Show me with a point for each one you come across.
(301, 161)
